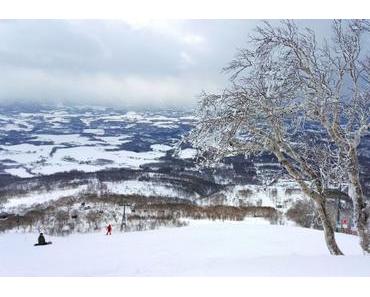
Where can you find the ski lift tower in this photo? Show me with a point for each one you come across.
(124, 217)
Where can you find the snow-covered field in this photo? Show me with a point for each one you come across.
(259, 195)
(129, 187)
(248, 248)
(85, 158)
(74, 139)
(25, 201)
(146, 189)
(277, 196)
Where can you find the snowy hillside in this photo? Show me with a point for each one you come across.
(248, 248)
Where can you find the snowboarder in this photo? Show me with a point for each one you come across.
(109, 230)
(41, 240)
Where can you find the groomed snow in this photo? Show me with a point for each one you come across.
(249, 248)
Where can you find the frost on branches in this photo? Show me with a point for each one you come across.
(303, 101)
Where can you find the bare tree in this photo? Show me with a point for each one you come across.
(283, 84)
(333, 81)
(262, 112)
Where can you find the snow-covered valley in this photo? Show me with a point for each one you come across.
(249, 248)
(64, 155)
(56, 152)
(65, 139)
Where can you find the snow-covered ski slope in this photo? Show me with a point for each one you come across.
(249, 248)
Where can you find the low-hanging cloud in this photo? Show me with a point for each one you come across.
(116, 63)
(101, 88)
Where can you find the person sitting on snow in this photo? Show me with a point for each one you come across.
(41, 240)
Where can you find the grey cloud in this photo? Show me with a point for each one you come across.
(118, 63)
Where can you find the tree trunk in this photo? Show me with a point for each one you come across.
(328, 229)
(359, 205)
(319, 201)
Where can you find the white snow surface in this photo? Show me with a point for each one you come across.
(83, 158)
(102, 130)
(188, 153)
(24, 201)
(277, 195)
(94, 131)
(204, 248)
(161, 147)
(146, 189)
(21, 172)
(71, 139)
(128, 187)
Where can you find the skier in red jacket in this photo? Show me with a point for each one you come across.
(109, 230)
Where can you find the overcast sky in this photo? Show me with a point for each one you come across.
(119, 63)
